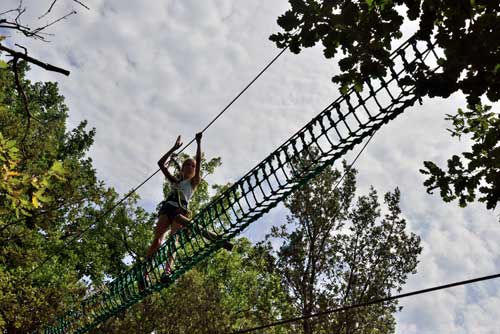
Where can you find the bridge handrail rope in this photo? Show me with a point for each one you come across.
(330, 134)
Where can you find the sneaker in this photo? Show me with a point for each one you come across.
(167, 276)
(165, 279)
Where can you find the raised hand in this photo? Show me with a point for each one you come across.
(178, 143)
(198, 137)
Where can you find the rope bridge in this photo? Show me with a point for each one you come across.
(345, 123)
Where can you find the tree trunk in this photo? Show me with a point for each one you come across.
(11, 329)
(306, 325)
(307, 310)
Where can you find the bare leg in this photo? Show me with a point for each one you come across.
(179, 222)
(174, 228)
(160, 230)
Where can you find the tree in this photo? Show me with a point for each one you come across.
(50, 196)
(11, 20)
(337, 251)
(364, 30)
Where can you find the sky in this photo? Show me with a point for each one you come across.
(143, 72)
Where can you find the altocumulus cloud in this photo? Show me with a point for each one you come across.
(144, 72)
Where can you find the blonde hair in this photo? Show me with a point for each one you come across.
(179, 174)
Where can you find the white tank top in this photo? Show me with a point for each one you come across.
(185, 190)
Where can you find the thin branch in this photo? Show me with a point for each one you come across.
(16, 26)
(26, 31)
(54, 2)
(37, 62)
(22, 47)
(81, 4)
(13, 25)
(50, 8)
(34, 33)
(127, 246)
(19, 12)
(9, 11)
(37, 30)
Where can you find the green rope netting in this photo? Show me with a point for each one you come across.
(345, 123)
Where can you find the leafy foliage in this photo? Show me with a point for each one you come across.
(22, 193)
(362, 32)
(481, 169)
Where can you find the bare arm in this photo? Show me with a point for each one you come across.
(197, 178)
(163, 159)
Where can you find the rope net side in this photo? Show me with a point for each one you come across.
(342, 125)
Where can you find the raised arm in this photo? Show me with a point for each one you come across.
(163, 159)
(197, 178)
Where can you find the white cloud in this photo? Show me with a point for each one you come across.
(143, 72)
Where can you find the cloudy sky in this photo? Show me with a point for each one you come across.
(143, 72)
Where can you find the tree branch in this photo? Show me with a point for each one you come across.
(54, 2)
(32, 60)
(48, 11)
(81, 4)
(130, 251)
(37, 30)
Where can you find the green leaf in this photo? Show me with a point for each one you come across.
(3, 64)
(10, 143)
(497, 68)
(358, 86)
(58, 168)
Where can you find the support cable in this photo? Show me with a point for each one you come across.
(354, 161)
(368, 303)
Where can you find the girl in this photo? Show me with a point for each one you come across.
(173, 212)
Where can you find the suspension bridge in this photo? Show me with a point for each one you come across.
(346, 122)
